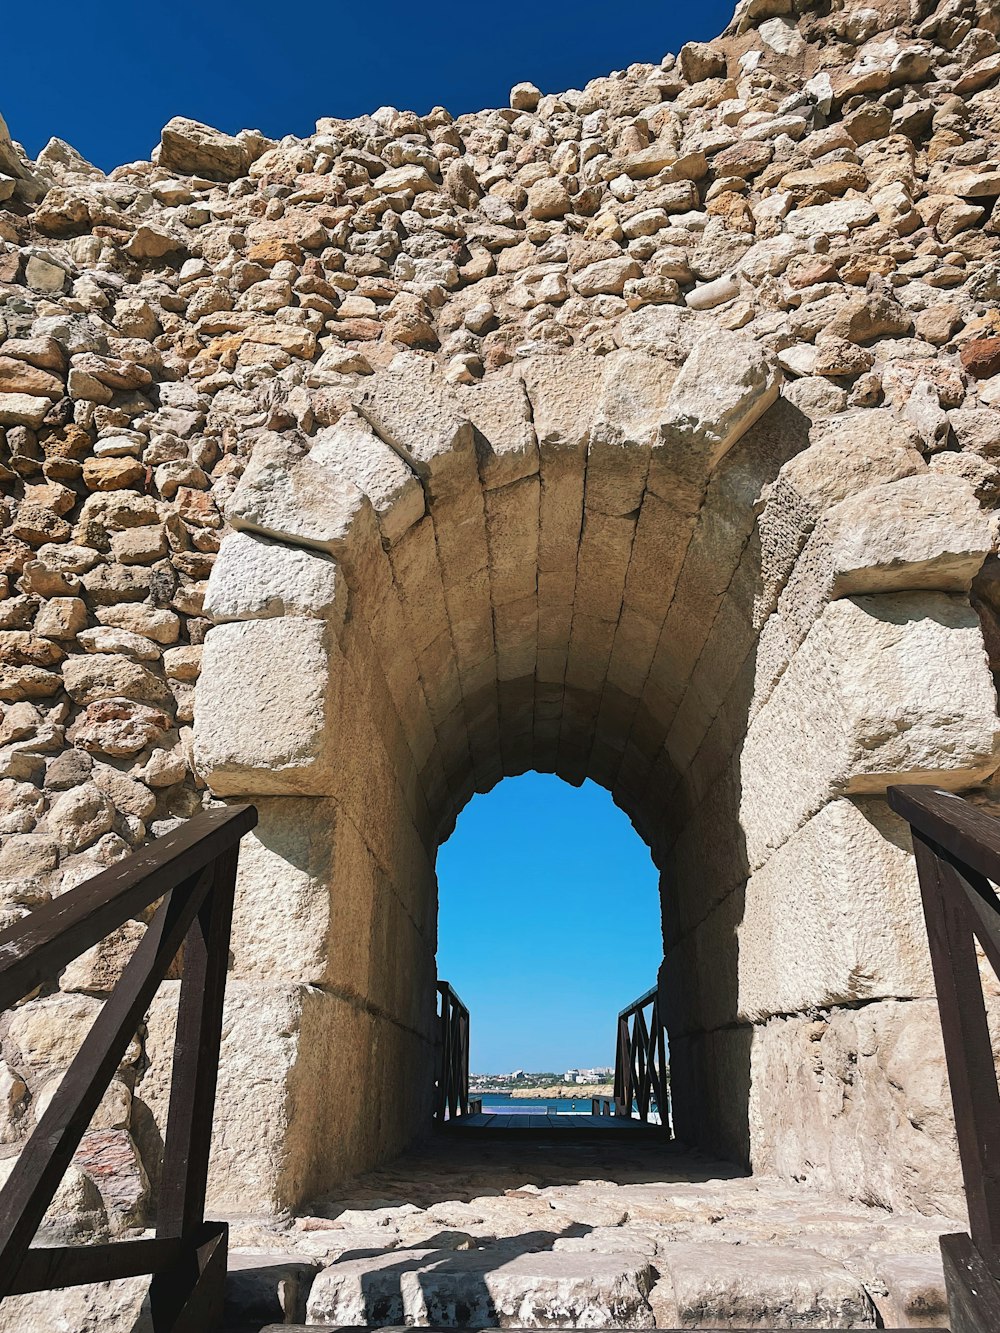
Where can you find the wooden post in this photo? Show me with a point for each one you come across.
(195, 1071)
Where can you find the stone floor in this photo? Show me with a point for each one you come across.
(588, 1235)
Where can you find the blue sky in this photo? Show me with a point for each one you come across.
(549, 922)
(106, 77)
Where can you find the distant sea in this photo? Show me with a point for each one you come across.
(503, 1101)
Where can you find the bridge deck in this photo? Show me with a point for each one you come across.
(565, 1128)
(606, 1124)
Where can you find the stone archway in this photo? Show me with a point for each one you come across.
(648, 569)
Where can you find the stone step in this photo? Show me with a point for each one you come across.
(485, 1287)
(440, 1328)
(580, 1283)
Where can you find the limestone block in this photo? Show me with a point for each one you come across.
(506, 444)
(662, 534)
(726, 384)
(113, 1111)
(254, 578)
(602, 564)
(888, 688)
(635, 392)
(80, 816)
(852, 452)
(353, 449)
(499, 1288)
(47, 1033)
(836, 219)
(267, 1288)
(919, 532)
(285, 494)
(417, 576)
(857, 1102)
(563, 393)
(194, 149)
(266, 708)
(915, 1292)
(669, 331)
(719, 545)
(512, 535)
(591, 642)
(834, 916)
(297, 1065)
(414, 410)
(635, 643)
(516, 625)
(306, 892)
(90, 678)
(104, 1307)
(98, 969)
(750, 1286)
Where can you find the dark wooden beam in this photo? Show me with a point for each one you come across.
(48, 1267)
(36, 949)
(973, 1290)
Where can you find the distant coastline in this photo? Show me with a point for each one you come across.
(554, 1092)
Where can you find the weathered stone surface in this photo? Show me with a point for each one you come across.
(78, 817)
(833, 917)
(719, 1286)
(263, 1287)
(23, 409)
(861, 1098)
(92, 677)
(412, 409)
(305, 897)
(352, 448)
(725, 385)
(916, 1296)
(254, 578)
(506, 443)
(93, 1308)
(870, 698)
(75, 1210)
(593, 1290)
(285, 494)
(194, 149)
(918, 532)
(98, 970)
(282, 1046)
(118, 727)
(48, 1033)
(238, 687)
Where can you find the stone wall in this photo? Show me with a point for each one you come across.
(645, 432)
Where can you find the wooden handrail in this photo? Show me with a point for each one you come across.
(192, 871)
(957, 852)
(452, 1092)
(641, 1070)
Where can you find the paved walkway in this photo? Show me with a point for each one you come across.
(561, 1123)
(478, 1231)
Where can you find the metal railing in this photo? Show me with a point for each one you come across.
(192, 873)
(452, 1089)
(642, 1076)
(957, 851)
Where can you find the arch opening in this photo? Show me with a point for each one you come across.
(548, 924)
(641, 568)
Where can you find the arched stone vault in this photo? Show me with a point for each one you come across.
(645, 569)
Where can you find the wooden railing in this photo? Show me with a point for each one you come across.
(957, 850)
(641, 1071)
(193, 871)
(452, 1096)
